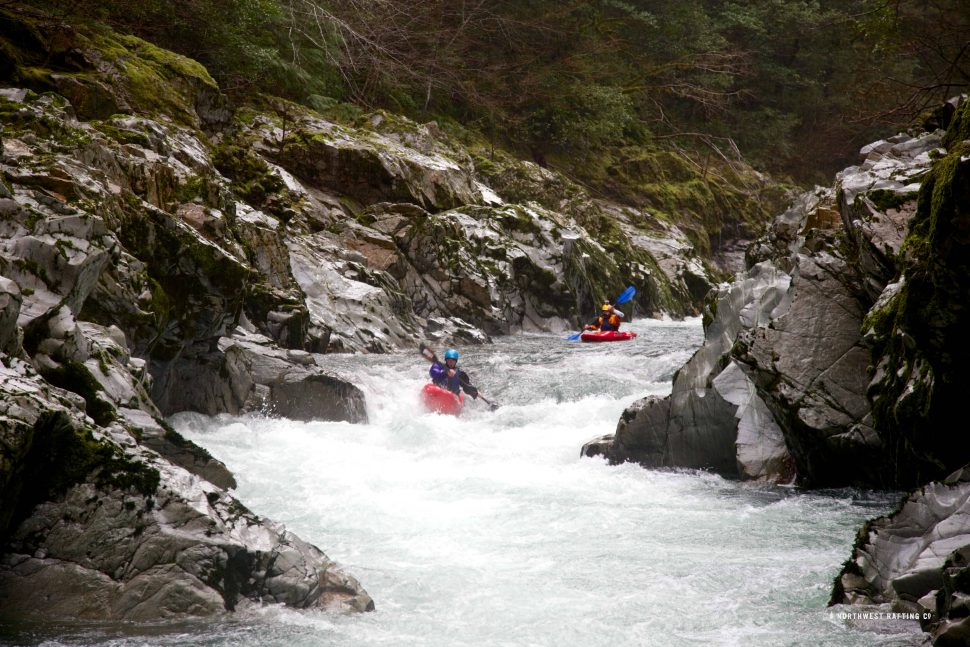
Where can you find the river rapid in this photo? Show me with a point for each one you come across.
(490, 530)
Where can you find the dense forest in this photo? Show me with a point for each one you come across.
(793, 87)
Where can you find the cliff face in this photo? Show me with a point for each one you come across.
(916, 558)
(784, 387)
(161, 251)
(837, 359)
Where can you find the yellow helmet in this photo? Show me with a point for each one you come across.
(606, 307)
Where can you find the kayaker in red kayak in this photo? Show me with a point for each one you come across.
(449, 376)
(609, 319)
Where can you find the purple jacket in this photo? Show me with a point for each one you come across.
(439, 376)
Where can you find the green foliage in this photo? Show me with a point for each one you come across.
(247, 45)
(796, 86)
(579, 117)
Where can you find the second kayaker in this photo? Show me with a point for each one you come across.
(609, 319)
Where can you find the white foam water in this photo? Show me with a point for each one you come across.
(490, 529)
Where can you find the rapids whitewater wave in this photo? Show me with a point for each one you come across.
(491, 530)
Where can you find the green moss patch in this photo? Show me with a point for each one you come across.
(884, 199)
(920, 336)
(63, 454)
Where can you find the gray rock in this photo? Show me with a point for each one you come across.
(10, 299)
(360, 307)
(185, 549)
(761, 450)
(249, 373)
(370, 167)
(878, 199)
(159, 436)
(714, 418)
(917, 558)
(810, 369)
(135, 537)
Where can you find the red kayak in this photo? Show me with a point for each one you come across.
(607, 335)
(439, 400)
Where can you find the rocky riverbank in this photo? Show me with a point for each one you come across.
(832, 360)
(162, 250)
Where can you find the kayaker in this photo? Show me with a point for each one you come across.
(609, 319)
(449, 376)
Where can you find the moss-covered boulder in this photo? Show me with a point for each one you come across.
(103, 73)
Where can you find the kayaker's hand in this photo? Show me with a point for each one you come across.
(451, 372)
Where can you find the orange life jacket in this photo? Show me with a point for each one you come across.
(611, 322)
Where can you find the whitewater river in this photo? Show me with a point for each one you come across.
(490, 530)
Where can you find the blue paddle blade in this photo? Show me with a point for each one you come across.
(628, 294)
(573, 337)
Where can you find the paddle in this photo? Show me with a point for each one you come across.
(625, 296)
(431, 357)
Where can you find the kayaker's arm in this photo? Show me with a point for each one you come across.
(466, 384)
(474, 392)
(438, 372)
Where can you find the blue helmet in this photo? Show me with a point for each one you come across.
(451, 353)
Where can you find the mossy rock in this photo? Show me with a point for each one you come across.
(75, 377)
(959, 130)
(102, 72)
(193, 299)
(919, 337)
(251, 176)
(63, 453)
(885, 199)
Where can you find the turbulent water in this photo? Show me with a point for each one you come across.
(490, 530)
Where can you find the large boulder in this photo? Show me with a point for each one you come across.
(714, 418)
(810, 366)
(105, 529)
(248, 373)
